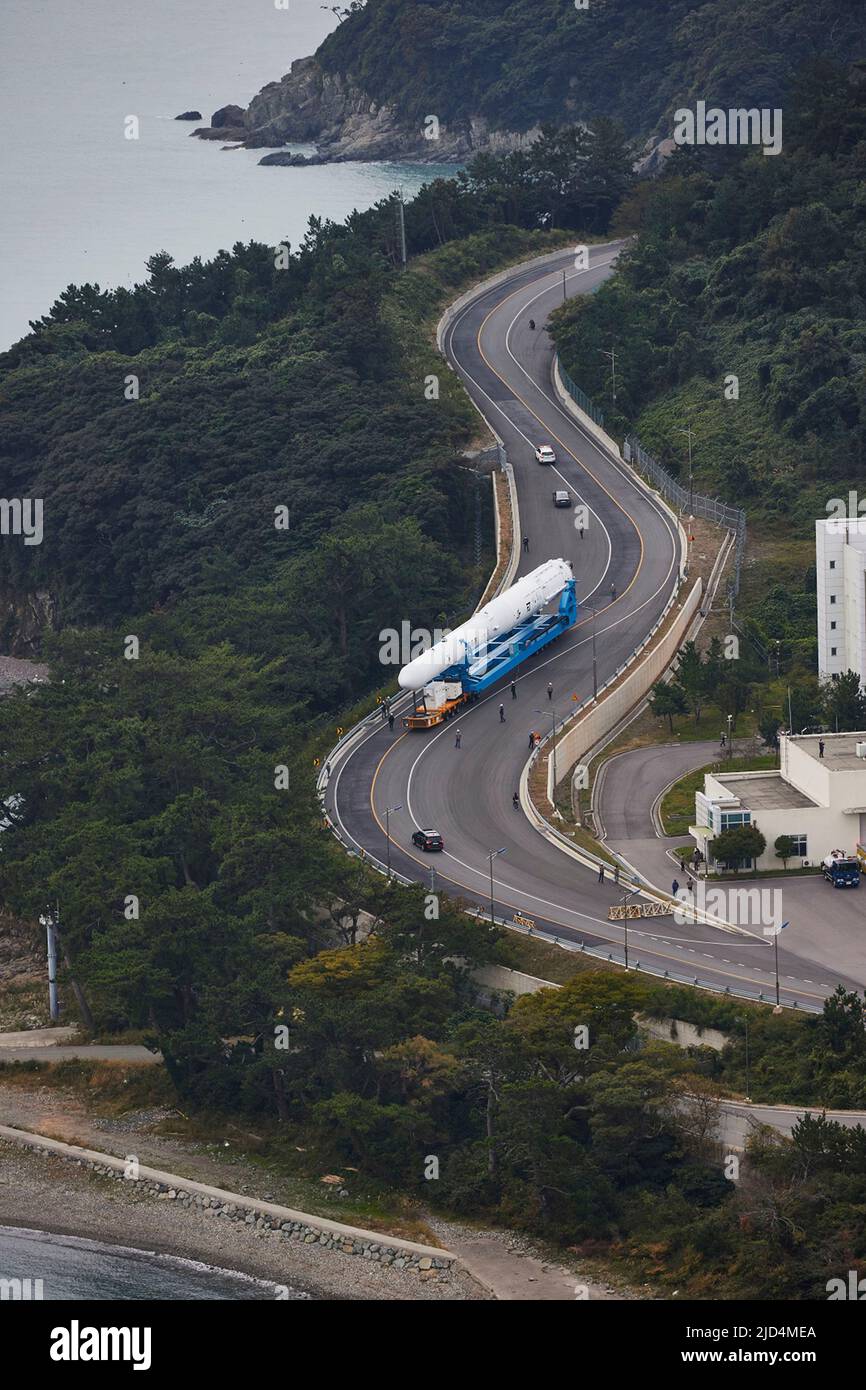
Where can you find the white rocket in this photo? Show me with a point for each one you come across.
(523, 600)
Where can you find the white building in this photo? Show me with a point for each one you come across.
(819, 801)
(840, 555)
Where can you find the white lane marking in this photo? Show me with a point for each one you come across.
(449, 339)
(620, 472)
(565, 415)
(625, 617)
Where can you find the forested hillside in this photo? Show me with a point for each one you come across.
(754, 268)
(520, 62)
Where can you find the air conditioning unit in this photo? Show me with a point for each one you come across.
(860, 750)
(807, 864)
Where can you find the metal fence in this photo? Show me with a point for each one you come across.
(695, 503)
(581, 397)
(686, 500)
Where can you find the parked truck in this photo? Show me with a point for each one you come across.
(841, 869)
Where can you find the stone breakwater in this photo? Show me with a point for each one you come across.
(424, 1263)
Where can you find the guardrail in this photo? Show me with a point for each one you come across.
(400, 701)
(616, 957)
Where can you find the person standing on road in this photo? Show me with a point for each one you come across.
(820, 748)
(514, 690)
(612, 592)
(526, 545)
(601, 873)
(531, 738)
(391, 722)
(675, 888)
(616, 873)
(458, 738)
(550, 690)
(502, 714)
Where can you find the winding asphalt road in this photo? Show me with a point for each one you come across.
(466, 793)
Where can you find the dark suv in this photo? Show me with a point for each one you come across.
(428, 839)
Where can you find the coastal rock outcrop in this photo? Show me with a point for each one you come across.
(293, 161)
(189, 116)
(229, 123)
(329, 110)
(228, 117)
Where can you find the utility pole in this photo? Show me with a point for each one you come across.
(47, 920)
(564, 290)
(612, 357)
(401, 221)
(745, 1021)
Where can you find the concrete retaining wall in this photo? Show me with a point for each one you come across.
(591, 726)
(674, 1030)
(500, 977)
(424, 1261)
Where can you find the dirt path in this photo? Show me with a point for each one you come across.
(512, 1268)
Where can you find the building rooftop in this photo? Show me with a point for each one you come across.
(763, 791)
(839, 750)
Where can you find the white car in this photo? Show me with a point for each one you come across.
(544, 454)
(561, 499)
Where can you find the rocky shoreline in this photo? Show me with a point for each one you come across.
(310, 106)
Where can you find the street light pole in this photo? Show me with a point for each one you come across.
(389, 812)
(688, 433)
(776, 936)
(622, 902)
(612, 356)
(594, 662)
(551, 714)
(494, 854)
